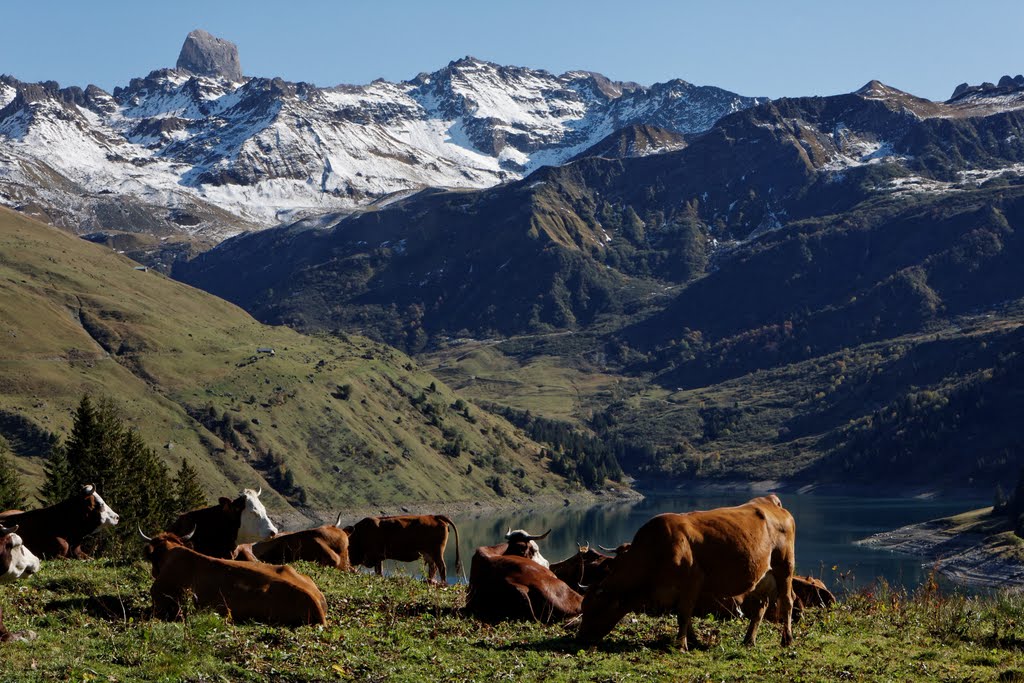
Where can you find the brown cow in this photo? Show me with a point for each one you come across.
(273, 594)
(405, 538)
(674, 557)
(327, 545)
(584, 569)
(220, 528)
(504, 586)
(59, 530)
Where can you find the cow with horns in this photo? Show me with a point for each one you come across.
(59, 530)
(674, 558)
(584, 569)
(273, 594)
(405, 538)
(219, 529)
(326, 545)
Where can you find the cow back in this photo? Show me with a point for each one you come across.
(326, 545)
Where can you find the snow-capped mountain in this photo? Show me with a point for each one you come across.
(201, 150)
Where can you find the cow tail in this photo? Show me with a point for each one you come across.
(458, 557)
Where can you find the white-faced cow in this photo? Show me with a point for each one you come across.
(504, 585)
(273, 594)
(524, 544)
(747, 549)
(405, 538)
(59, 530)
(16, 561)
(221, 528)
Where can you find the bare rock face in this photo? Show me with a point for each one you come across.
(208, 55)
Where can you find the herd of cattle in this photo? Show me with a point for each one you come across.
(729, 562)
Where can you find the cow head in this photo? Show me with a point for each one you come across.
(16, 560)
(254, 524)
(97, 509)
(157, 548)
(525, 544)
(603, 608)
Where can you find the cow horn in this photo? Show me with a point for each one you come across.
(508, 533)
(89, 488)
(541, 537)
(583, 588)
(143, 534)
(4, 530)
(338, 523)
(190, 534)
(607, 550)
(259, 492)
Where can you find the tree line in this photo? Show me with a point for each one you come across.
(104, 451)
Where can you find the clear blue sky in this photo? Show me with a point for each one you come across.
(780, 48)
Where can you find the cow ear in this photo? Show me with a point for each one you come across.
(349, 529)
(224, 502)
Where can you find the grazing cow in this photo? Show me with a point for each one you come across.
(532, 550)
(675, 557)
(59, 530)
(269, 593)
(405, 538)
(327, 545)
(584, 569)
(220, 528)
(504, 586)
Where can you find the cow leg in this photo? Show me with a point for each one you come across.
(379, 568)
(525, 605)
(783, 568)
(436, 565)
(684, 610)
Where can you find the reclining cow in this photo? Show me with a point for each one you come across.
(59, 530)
(326, 545)
(405, 538)
(509, 586)
(16, 561)
(675, 557)
(221, 528)
(273, 594)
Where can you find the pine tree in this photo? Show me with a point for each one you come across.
(189, 494)
(59, 483)
(12, 493)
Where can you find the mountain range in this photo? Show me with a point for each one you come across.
(202, 151)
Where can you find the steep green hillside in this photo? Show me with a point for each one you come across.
(331, 421)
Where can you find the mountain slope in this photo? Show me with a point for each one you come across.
(324, 422)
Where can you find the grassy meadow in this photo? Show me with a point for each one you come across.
(93, 624)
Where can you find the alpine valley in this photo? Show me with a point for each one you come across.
(692, 283)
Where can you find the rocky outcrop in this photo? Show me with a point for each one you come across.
(207, 55)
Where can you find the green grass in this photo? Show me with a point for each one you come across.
(93, 625)
(76, 317)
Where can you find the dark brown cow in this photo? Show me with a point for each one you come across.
(220, 528)
(507, 586)
(674, 557)
(405, 538)
(584, 569)
(269, 593)
(59, 530)
(327, 545)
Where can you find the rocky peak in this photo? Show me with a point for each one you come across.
(207, 55)
(1007, 84)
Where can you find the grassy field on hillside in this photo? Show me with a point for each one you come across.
(321, 422)
(93, 623)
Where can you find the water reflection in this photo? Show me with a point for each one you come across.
(827, 526)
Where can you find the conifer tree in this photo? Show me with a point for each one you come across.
(12, 493)
(189, 494)
(59, 483)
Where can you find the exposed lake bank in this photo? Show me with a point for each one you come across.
(973, 549)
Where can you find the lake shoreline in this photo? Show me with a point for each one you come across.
(973, 549)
